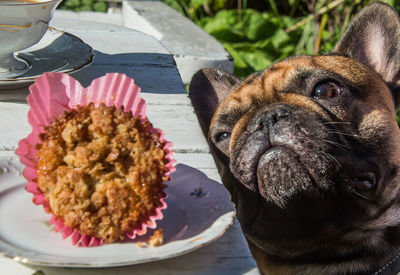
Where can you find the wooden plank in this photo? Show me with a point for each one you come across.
(202, 162)
(104, 37)
(14, 124)
(72, 25)
(151, 78)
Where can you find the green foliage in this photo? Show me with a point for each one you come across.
(257, 38)
(84, 5)
(254, 39)
(194, 9)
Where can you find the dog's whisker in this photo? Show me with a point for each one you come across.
(361, 195)
(331, 158)
(337, 122)
(341, 146)
(344, 134)
(358, 194)
(355, 192)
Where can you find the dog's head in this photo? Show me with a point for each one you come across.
(310, 147)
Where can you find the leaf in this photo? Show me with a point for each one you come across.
(249, 58)
(258, 60)
(85, 8)
(197, 3)
(254, 25)
(72, 3)
(218, 5)
(221, 27)
(239, 62)
(100, 6)
(280, 39)
(287, 51)
(175, 5)
(86, 3)
(283, 21)
(390, 2)
(305, 44)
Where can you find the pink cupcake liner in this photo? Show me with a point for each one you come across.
(54, 93)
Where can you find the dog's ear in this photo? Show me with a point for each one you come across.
(206, 91)
(373, 38)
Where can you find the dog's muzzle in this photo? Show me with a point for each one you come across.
(278, 154)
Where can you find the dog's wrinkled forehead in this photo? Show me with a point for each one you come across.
(292, 81)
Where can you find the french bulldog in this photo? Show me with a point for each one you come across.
(309, 150)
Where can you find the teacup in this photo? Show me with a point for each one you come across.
(22, 24)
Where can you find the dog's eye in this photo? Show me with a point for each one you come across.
(327, 90)
(222, 136)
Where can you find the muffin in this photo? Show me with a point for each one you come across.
(101, 171)
(97, 164)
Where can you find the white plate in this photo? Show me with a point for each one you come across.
(57, 51)
(199, 212)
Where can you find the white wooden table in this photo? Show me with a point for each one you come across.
(143, 58)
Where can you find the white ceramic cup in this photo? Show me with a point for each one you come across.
(22, 24)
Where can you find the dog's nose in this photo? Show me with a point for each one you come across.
(277, 114)
(270, 115)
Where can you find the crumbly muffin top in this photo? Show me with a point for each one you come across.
(101, 171)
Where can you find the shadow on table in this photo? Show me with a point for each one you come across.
(153, 72)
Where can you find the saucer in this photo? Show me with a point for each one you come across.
(58, 51)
